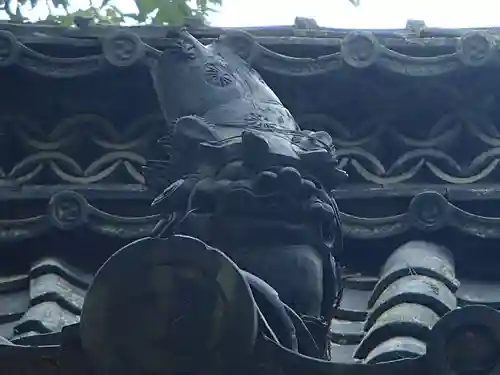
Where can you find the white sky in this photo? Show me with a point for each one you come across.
(370, 14)
(341, 14)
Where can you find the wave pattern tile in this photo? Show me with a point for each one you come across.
(390, 317)
(394, 314)
(39, 303)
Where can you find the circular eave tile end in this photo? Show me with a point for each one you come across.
(360, 49)
(465, 341)
(67, 210)
(476, 48)
(123, 48)
(429, 211)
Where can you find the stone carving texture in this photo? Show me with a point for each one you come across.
(466, 340)
(223, 184)
(420, 156)
(9, 49)
(174, 267)
(429, 211)
(68, 210)
(414, 322)
(118, 150)
(123, 49)
(433, 154)
(251, 184)
(55, 284)
(48, 297)
(476, 48)
(359, 49)
(424, 215)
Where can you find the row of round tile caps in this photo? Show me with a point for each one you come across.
(359, 49)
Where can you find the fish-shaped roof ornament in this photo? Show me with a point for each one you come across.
(219, 102)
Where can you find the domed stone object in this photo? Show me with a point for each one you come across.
(466, 341)
(168, 306)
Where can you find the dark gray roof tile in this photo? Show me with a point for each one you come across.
(406, 304)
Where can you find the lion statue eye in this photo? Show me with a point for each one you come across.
(217, 75)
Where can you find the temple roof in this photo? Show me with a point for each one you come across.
(380, 318)
(399, 104)
(414, 51)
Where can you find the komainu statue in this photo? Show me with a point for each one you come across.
(244, 257)
(248, 181)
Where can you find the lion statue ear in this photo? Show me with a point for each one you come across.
(240, 43)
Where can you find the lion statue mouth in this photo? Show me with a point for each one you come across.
(278, 198)
(252, 175)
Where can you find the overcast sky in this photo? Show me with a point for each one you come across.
(341, 14)
(370, 14)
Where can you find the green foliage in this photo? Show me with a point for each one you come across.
(171, 11)
(159, 12)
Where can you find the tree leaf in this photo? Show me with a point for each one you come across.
(105, 3)
(60, 3)
(67, 20)
(146, 7)
(114, 15)
(17, 16)
(172, 12)
(202, 5)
